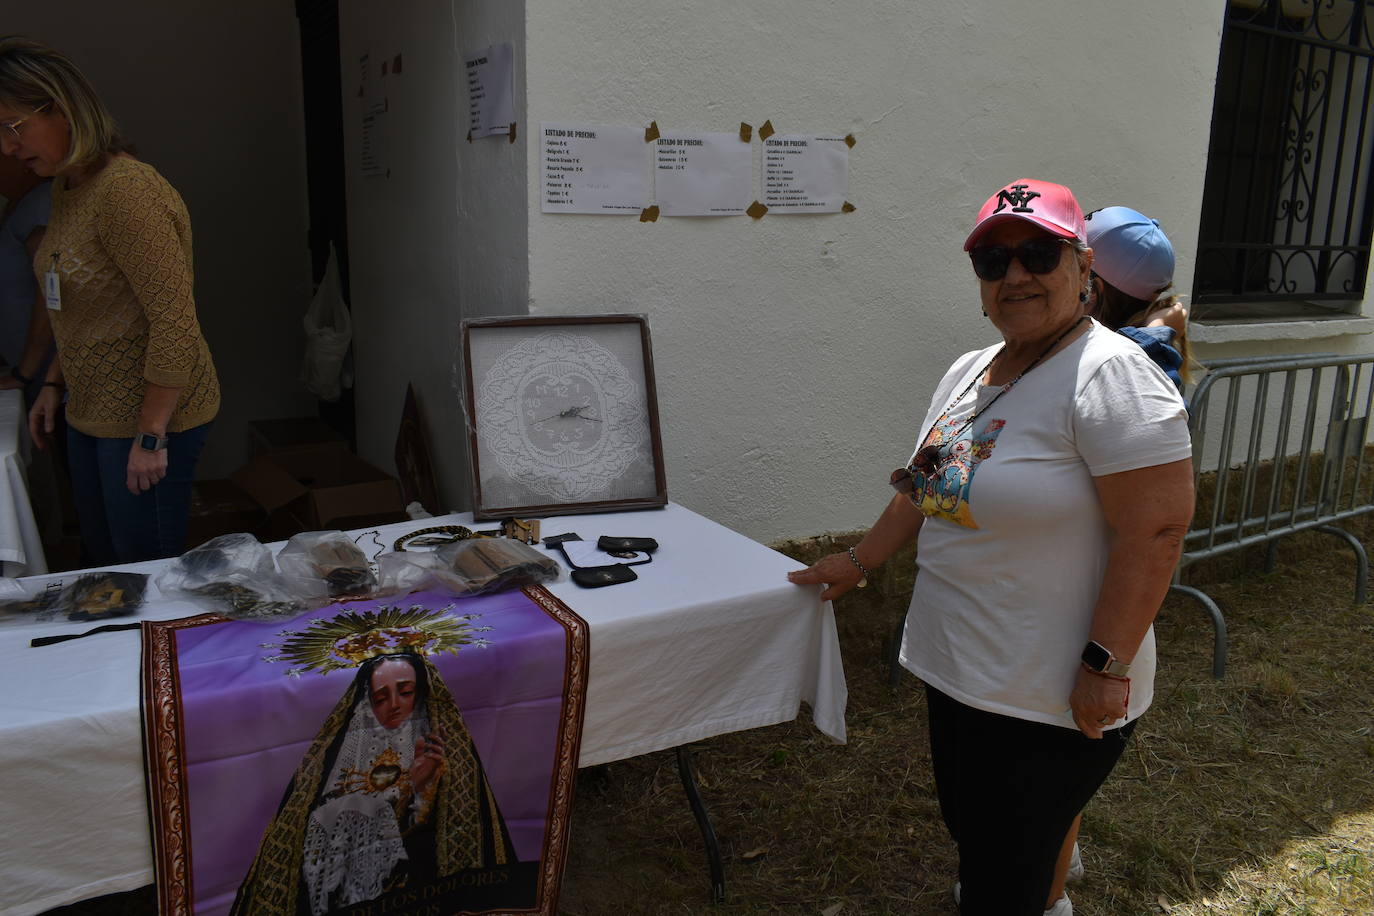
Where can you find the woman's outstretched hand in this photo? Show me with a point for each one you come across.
(835, 571)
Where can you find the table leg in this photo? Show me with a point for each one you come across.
(708, 833)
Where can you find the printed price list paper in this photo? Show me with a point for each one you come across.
(702, 174)
(373, 154)
(371, 90)
(491, 105)
(805, 173)
(373, 159)
(594, 169)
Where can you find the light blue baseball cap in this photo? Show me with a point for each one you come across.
(1130, 251)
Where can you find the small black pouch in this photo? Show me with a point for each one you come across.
(599, 576)
(582, 554)
(554, 540)
(610, 544)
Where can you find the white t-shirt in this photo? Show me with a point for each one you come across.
(1012, 561)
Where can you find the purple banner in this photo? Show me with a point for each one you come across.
(404, 751)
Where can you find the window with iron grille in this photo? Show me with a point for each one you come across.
(1287, 203)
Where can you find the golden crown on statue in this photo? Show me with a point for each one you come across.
(351, 637)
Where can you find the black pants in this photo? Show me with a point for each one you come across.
(1009, 790)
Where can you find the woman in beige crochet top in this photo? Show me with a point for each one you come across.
(116, 270)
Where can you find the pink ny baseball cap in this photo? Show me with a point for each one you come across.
(1052, 207)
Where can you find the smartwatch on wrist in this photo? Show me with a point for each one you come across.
(1098, 659)
(151, 443)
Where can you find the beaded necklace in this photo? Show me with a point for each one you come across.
(928, 458)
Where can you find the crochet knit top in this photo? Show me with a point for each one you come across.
(121, 245)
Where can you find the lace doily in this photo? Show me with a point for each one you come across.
(561, 415)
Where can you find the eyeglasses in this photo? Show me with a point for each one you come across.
(10, 129)
(1038, 256)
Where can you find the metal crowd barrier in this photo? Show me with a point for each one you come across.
(1279, 447)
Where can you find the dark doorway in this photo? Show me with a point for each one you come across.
(324, 160)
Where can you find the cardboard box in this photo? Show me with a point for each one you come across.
(219, 507)
(318, 488)
(289, 433)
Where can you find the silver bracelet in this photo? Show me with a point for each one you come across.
(863, 580)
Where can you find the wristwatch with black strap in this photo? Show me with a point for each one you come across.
(1098, 659)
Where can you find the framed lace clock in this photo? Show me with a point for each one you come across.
(563, 415)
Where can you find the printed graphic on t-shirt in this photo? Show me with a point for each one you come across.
(944, 493)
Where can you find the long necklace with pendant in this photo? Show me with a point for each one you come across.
(928, 458)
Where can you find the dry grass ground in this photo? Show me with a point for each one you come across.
(1251, 795)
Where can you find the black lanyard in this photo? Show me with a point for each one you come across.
(928, 458)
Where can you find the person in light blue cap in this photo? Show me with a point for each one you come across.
(1133, 271)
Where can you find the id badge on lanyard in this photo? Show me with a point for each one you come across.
(52, 287)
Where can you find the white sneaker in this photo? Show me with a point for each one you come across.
(1062, 907)
(1075, 866)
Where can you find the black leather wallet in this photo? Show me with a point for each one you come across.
(599, 576)
(608, 543)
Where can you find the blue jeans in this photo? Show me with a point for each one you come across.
(116, 525)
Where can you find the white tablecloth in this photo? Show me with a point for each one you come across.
(710, 639)
(21, 548)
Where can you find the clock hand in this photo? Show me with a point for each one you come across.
(569, 412)
(575, 411)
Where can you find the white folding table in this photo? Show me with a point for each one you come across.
(710, 639)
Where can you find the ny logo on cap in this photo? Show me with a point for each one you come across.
(1018, 197)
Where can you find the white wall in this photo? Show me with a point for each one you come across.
(796, 355)
(210, 94)
(443, 237)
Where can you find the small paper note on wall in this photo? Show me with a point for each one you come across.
(588, 168)
(491, 98)
(702, 174)
(805, 173)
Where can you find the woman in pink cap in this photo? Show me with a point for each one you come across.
(1050, 489)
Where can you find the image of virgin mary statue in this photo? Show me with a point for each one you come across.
(390, 795)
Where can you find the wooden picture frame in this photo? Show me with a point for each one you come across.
(562, 416)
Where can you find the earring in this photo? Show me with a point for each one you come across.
(1083, 297)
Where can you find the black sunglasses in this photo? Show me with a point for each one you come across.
(1038, 256)
(926, 462)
